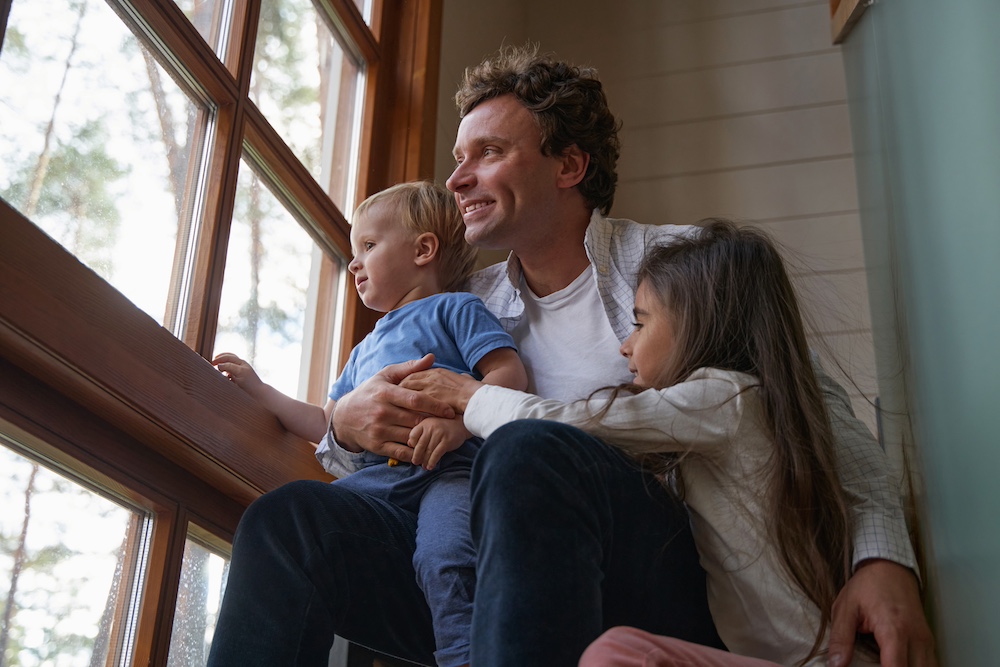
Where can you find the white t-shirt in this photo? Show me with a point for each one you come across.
(566, 342)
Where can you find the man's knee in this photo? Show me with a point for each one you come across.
(279, 502)
(521, 445)
(286, 511)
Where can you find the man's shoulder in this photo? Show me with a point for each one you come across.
(619, 244)
(485, 281)
(648, 232)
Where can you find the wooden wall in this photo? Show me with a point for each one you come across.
(732, 108)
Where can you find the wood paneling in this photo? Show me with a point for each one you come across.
(734, 108)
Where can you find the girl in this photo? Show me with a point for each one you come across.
(725, 401)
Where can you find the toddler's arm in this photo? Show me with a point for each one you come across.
(303, 419)
(503, 368)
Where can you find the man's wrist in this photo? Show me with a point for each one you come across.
(332, 433)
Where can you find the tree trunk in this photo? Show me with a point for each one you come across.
(177, 154)
(20, 556)
(38, 177)
(256, 258)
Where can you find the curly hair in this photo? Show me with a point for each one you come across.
(423, 206)
(568, 103)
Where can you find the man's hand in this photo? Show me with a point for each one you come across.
(448, 386)
(882, 598)
(379, 414)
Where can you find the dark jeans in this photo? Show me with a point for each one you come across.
(572, 536)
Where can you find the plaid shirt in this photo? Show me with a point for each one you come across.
(615, 248)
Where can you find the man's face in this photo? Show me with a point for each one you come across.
(504, 186)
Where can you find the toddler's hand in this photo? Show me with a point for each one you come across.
(433, 437)
(238, 371)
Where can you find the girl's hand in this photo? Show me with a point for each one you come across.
(444, 385)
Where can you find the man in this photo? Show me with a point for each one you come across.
(572, 537)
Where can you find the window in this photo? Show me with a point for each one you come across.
(101, 145)
(271, 287)
(173, 181)
(204, 571)
(74, 562)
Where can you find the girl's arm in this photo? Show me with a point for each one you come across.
(303, 419)
(501, 367)
(701, 413)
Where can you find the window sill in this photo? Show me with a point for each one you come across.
(67, 327)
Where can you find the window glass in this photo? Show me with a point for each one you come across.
(309, 89)
(204, 573)
(71, 563)
(98, 144)
(270, 287)
(366, 9)
(208, 17)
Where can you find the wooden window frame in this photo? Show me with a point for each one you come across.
(93, 386)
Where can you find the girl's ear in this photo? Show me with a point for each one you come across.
(426, 246)
(573, 168)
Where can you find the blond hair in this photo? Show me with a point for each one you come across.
(422, 207)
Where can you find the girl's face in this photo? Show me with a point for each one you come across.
(649, 347)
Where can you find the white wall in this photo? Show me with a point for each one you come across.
(729, 107)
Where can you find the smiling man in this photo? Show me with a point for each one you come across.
(572, 536)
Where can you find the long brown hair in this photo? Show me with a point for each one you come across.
(734, 308)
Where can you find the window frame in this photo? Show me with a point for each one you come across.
(94, 386)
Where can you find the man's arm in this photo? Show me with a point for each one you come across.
(882, 597)
(432, 438)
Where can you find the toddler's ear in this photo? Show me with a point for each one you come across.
(426, 246)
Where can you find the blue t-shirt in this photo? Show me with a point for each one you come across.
(455, 326)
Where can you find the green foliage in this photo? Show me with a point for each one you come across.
(14, 44)
(277, 64)
(75, 200)
(49, 598)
